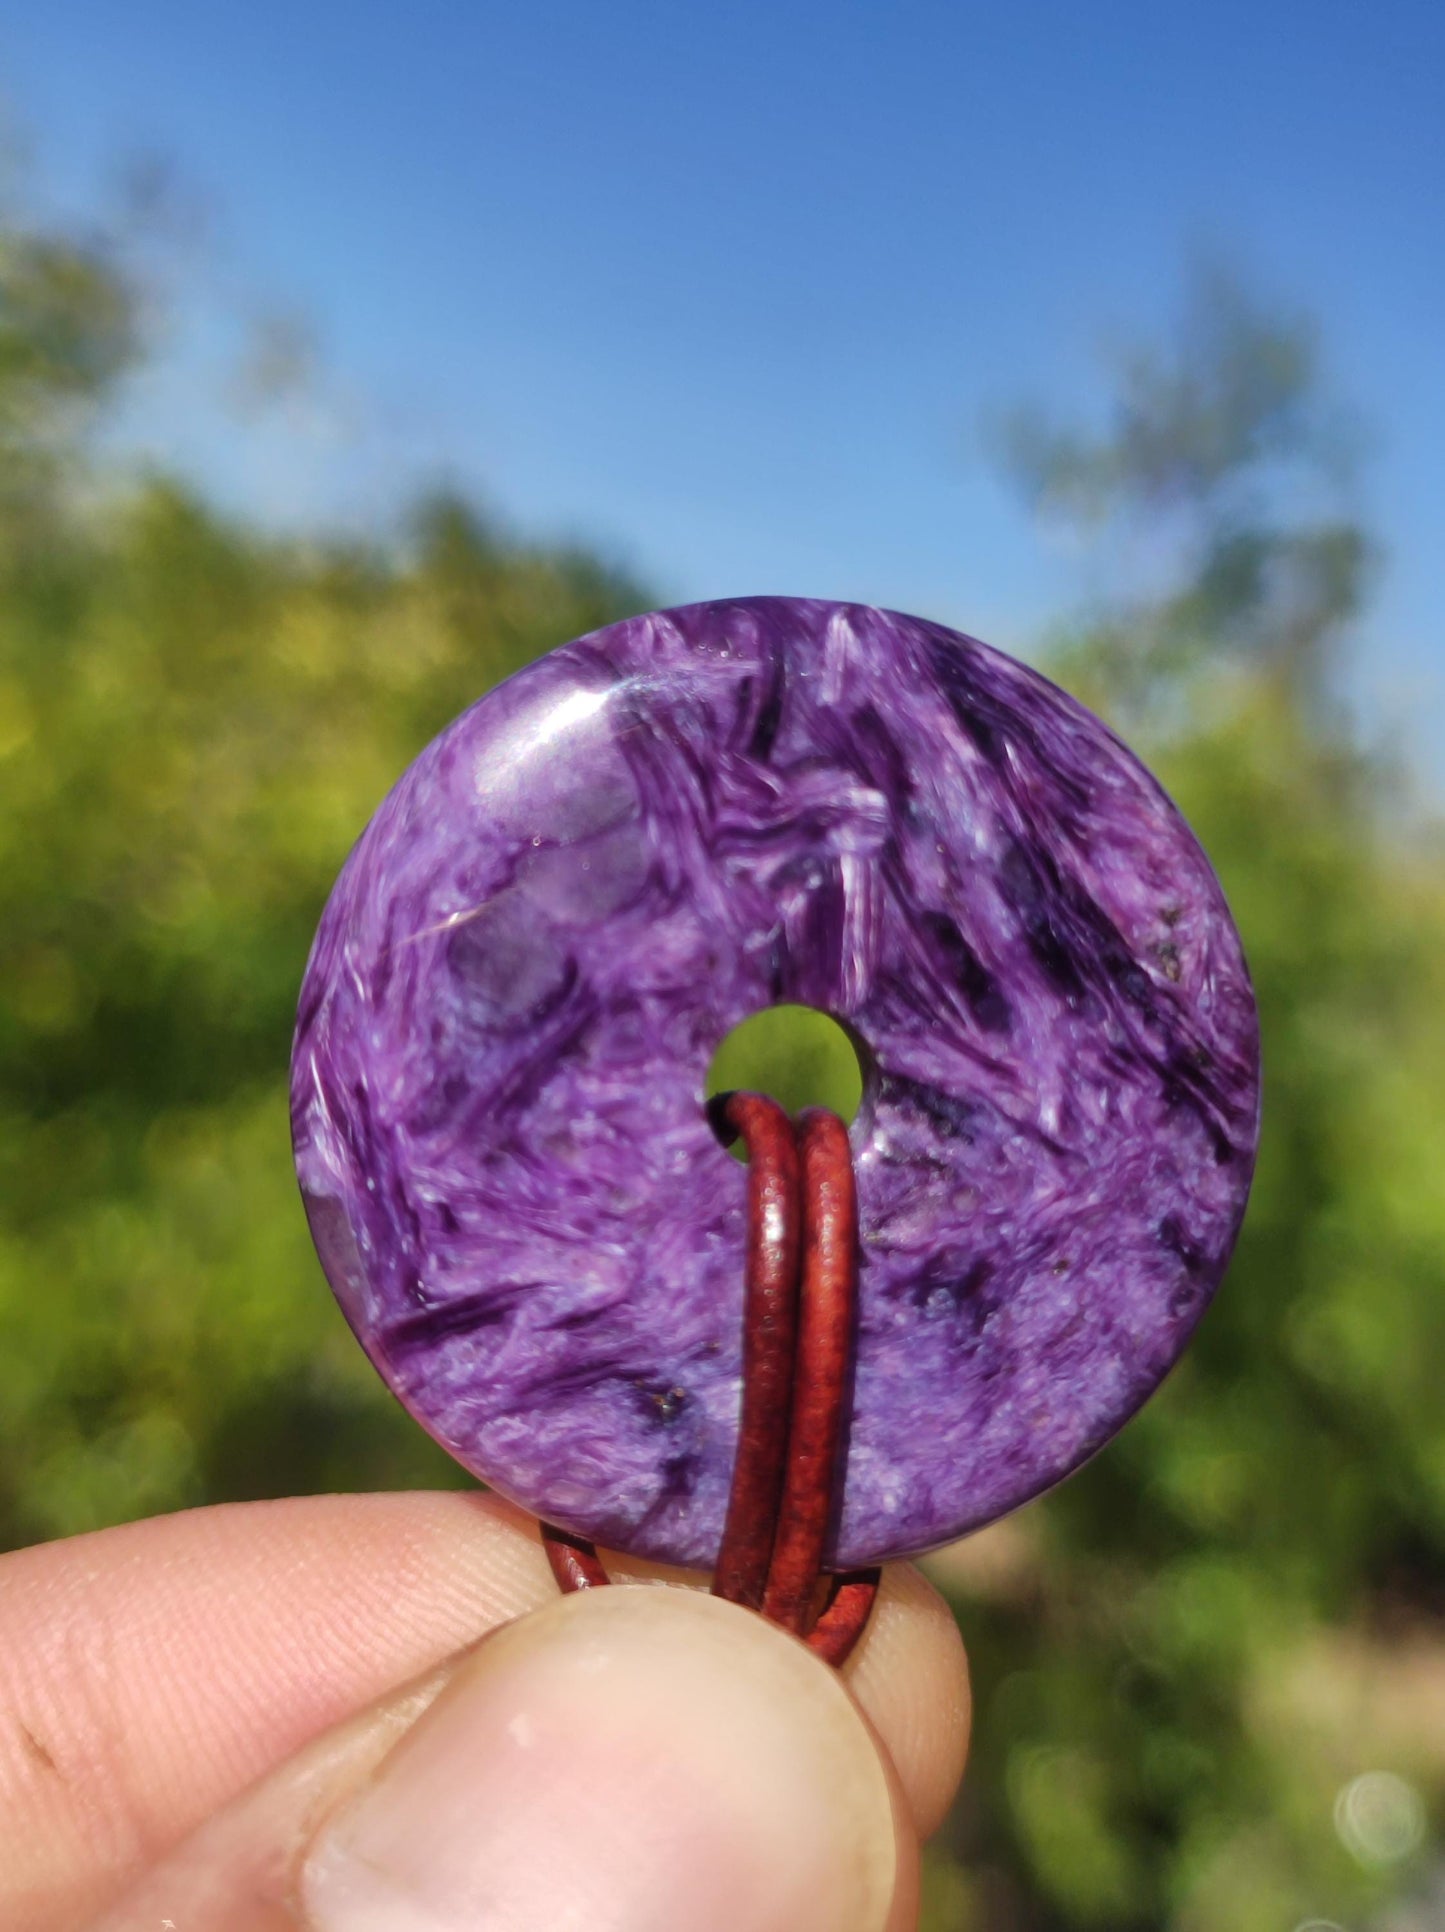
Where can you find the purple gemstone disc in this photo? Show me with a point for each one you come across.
(594, 874)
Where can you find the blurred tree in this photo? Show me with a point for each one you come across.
(68, 329)
(1223, 478)
(1217, 1621)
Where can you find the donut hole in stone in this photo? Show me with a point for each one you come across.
(800, 1056)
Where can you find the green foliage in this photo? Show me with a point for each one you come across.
(195, 723)
(69, 328)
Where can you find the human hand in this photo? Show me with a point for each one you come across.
(375, 1714)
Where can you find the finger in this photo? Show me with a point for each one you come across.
(910, 1676)
(631, 1759)
(150, 1673)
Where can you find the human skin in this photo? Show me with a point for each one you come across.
(203, 1716)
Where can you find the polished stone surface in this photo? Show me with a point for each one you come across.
(597, 871)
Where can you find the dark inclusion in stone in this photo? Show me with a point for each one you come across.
(596, 872)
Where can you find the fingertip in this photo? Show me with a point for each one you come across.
(910, 1676)
(628, 1757)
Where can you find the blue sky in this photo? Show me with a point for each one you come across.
(727, 291)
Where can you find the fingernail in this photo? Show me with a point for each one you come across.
(627, 1760)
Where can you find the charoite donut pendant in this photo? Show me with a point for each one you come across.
(596, 872)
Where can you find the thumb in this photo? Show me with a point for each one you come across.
(626, 1760)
